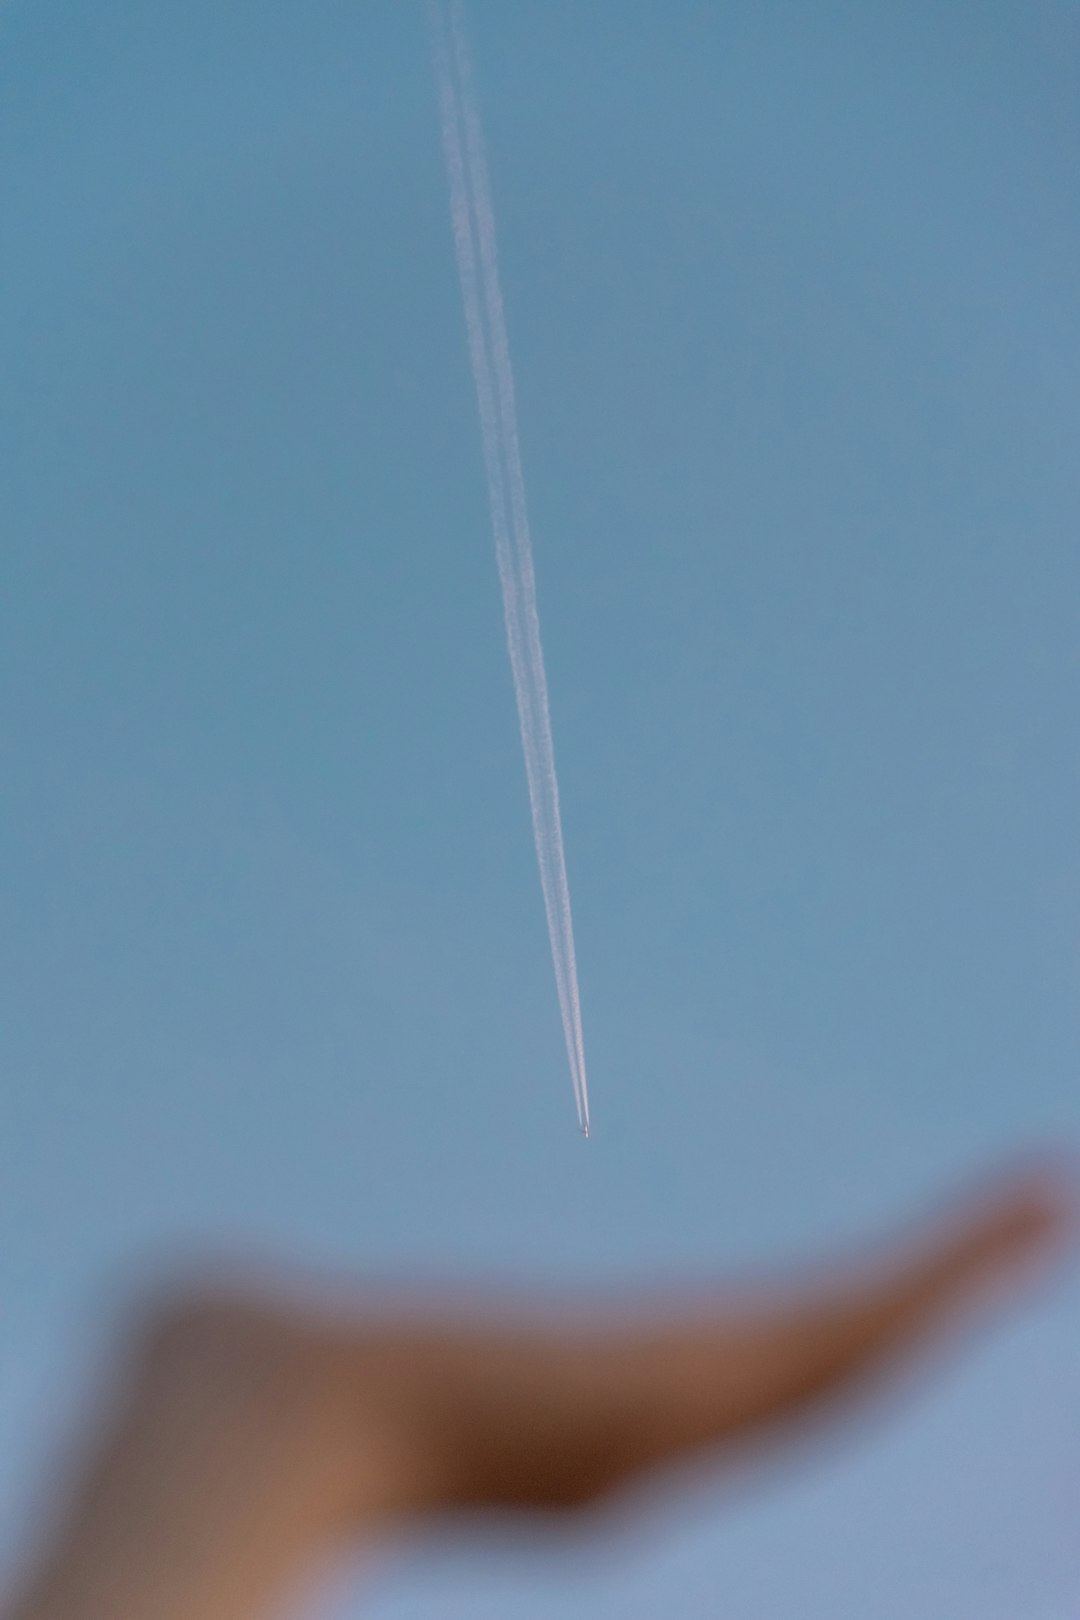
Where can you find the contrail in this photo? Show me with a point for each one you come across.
(474, 242)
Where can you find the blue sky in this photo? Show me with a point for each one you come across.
(795, 319)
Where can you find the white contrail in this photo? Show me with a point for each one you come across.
(474, 242)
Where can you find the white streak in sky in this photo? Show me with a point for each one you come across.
(474, 242)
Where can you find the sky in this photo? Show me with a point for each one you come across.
(793, 306)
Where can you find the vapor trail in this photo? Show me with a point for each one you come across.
(474, 242)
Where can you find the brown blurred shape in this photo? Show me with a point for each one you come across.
(253, 1434)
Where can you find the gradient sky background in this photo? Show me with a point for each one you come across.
(794, 303)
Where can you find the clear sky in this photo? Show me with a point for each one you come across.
(794, 306)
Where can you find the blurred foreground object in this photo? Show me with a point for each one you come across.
(251, 1435)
